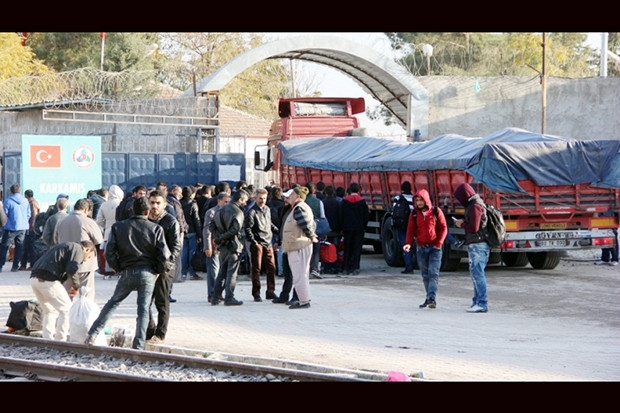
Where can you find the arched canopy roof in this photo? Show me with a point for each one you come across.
(377, 74)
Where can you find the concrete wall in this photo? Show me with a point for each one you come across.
(587, 108)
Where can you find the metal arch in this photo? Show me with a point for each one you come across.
(378, 75)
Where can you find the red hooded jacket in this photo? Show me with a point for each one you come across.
(426, 229)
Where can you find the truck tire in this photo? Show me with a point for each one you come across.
(544, 260)
(391, 247)
(495, 257)
(449, 263)
(514, 259)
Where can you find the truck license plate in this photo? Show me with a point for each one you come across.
(554, 243)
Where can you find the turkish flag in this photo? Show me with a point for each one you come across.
(45, 156)
(102, 35)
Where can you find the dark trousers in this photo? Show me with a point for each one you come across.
(161, 299)
(288, 279)
(28, 254)
(353, 243)
(263, 259)
(227, 276)
(611, 253)
(7, 238)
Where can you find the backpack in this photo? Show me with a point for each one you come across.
(495, 230)
(39, 223)
(25, 316)
(400, 213)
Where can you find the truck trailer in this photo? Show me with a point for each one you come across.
(556, 194)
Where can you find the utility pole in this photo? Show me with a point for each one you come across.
(543, 81)
(102, 35)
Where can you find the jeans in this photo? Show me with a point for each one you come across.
(478, 258)
(279, 260)
(189, 247)
(7, 238)
(213, 267)
(408, 256)
(429, 262)
(315, 259)
(141, 280)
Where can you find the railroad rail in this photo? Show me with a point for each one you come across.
(167, 358)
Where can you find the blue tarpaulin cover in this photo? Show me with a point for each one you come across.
(498, 160)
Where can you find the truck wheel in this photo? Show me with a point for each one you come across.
(391, 248)
(514, 259)
(544, 260)
(449, 263)
(495, 257)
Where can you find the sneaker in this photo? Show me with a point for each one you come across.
(298, 305)
(257, 299)
(172, 300)
(424, 304)
(601, 263)
(477, 309)
(90, 341)
(316, 275)
(280, 300)
(613, 263)
(406, 271)
(197, 277)
(432, 303)
(233, 302)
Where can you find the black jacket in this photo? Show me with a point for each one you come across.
(137, 242)
(192, 216)
(226, 227)
(59, 262)
(258, 226)
(172, 235)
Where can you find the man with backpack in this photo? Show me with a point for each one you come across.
(478, 250)
(401, 209)
(427, 225)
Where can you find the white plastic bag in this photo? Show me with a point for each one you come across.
(83, 313)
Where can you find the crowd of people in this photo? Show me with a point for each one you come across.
(148, 236)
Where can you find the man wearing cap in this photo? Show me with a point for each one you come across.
(298, 236)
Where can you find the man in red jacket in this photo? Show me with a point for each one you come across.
(427, 225)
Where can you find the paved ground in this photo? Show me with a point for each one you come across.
(553, 325)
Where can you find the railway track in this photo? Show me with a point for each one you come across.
(27, 358)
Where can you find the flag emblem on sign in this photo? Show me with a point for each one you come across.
(45, 156)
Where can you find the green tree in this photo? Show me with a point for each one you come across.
(17, 60)
(75, 50)
(186, 58)
(494, 54)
